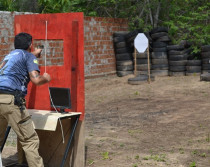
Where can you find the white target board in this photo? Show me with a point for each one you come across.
(141, 42)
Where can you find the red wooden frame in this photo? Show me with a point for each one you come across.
(69, 28)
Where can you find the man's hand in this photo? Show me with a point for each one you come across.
(47, 77)
(37, 52)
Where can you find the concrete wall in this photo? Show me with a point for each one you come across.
(98, 45)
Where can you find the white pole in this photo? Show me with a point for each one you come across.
(135, 62)
(45, 55)
(0, 160)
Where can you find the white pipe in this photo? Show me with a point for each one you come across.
(0, 160)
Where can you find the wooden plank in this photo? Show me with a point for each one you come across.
(47, 120)
(79, 146)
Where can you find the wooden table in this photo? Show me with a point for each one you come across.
(56, 132)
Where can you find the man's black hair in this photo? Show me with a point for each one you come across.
(23, 41)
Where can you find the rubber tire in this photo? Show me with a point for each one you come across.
(176, 74)
(179, 52)
(126, 62)
(140, 55)
(159, 61)
(164, 49)
(205, 66)
(192, 69)
(157, 35)
(141, 61)
(205, 55)
(193, 62)
(123, 50)
(206, 61)
(175, 47)
(120, 45)
(142, 67)
(205, 71)
(131, 34)
(163, 39)
(160, 67)
(119, 34)
(159, 44)
(178, 57)
(124, 73)
(192, 73)
(159, 29)
(205, 77)
(177, 68)
(123, 56)
(177, 63)
(119, 37)
(140, 79)
(124, 68)
(185, 43)
(142, 72)
(205, 48)
(159, 72)
(159, 55)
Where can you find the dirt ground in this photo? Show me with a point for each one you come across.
(162, 124)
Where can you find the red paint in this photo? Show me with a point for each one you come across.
(69, 28)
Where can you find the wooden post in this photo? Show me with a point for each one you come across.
(149, 80)
(79, 146)
(135, 62)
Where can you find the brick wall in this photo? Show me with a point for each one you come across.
(98, 45)
(54, 52)
(6, 33)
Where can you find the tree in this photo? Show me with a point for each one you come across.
(186, 19)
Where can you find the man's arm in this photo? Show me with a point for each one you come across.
(2, 64)
(38, 79)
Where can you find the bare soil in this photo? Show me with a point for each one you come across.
(162, 124)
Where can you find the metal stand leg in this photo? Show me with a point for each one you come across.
(69, 141)
(5, 137)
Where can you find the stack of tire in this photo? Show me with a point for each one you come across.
(142, 63)
(129, 37)
(123, 54)
(160, 40)
(178, 56)
(141, 58)
(193, 66)
(205, 56)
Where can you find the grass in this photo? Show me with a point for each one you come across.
(181, 151)
(193, 164)
(208, 138)
(90, 162)
(158, 158)
(134, 131)
(105, 155)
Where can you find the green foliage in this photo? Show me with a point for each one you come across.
(7, 5)
(186, 19)
(189, 20)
